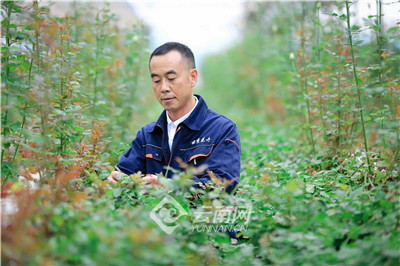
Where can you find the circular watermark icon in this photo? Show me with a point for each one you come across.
(166, 213)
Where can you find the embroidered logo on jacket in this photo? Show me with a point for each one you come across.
(202, 140)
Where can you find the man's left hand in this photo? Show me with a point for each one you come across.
(151, 180)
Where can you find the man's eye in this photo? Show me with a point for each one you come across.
(171, 79)
(156, 81)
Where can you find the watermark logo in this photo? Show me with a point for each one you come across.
(201, 228)
(218, 219)
(223, 215)
(204, 219)
(166, 213)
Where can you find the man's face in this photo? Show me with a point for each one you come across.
(173, 79)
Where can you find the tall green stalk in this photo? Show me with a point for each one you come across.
(322, 111)
(379, 51)
(62, 98)
(76, 13)
(304, 87)
(7, 77)
(44, 98)
(25, 110)
(38, 65)
(300, 86)
(357, 85)
(99, 26)
(339, 95)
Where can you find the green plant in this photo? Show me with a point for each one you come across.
(357, 81)
(318, 207)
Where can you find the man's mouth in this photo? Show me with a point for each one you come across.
(166, 99)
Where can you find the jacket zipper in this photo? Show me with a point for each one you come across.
(162, 142)
(172, 151)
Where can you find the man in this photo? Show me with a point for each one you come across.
(186, 129)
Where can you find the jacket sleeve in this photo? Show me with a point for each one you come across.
(224, 160)
(133, 159)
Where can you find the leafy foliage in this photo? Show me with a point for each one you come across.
(296, 66)
(304, 211)
(63, 77)
(71, 84)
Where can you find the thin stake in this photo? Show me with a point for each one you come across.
(358, 86)
(379, 41)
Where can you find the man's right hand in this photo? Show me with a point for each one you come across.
(114, 177)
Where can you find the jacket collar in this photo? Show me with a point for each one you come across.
(194, 121)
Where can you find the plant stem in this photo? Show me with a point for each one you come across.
(62, 90)
(25, 109)
(321, 99)
(322, 111)
(5, 117)
(44, 104)
(305, 89)
(379, 42)
(339, 99)
(96, 66)
(75, 19)
(357, 85)
(37, 46)
(301, 91)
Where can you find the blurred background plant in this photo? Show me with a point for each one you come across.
(295, 66)
(61, 77)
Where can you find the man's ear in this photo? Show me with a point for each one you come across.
(194, 76)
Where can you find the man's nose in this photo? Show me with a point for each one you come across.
(164, 86)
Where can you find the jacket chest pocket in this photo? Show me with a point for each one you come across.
(198, 154)
(153, 152)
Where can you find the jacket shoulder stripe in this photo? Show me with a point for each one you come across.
(233, 142)
(198, 155)
(149, 155)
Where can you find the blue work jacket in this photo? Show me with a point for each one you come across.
(205, 137)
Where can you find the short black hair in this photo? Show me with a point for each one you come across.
(179, 47)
